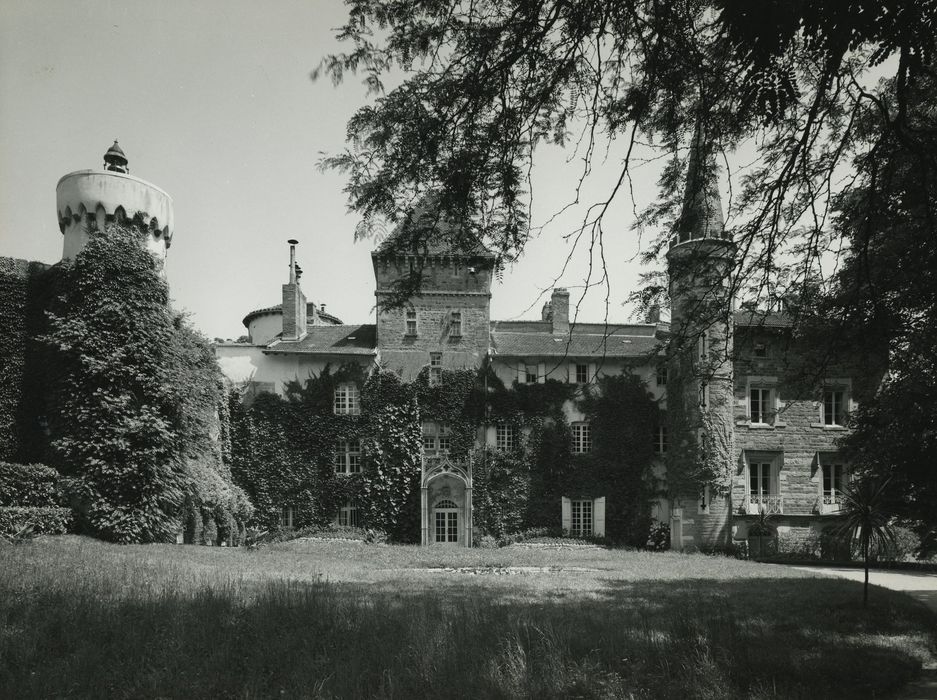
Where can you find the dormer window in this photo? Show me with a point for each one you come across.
(455, 324)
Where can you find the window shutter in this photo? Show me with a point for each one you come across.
(567, 514)
(572, 373)
(592, 378)
(598, 515)
(541, 373)
(521, 373)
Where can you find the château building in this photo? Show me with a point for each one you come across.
(745, 439)
(741, 438)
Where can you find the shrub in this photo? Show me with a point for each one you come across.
(658, 538)
(29, 485)
(35, 520)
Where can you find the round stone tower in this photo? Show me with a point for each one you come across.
(88, 199)
(700, 410)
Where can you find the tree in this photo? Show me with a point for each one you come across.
(134, 416)
(865, 515)
(485, 82)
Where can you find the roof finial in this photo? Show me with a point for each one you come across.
(702, 206)
(115, 160)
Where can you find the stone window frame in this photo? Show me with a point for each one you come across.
(347, 400)
(775, 461)
(829, 463)
(843, 385)
(346, 457)
(436, 438)
(455, 324)
(775, 405)
(582, 437)
(411, 325)
(435, 368)
(286, 517)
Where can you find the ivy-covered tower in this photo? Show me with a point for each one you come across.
(87, 199)
(700, 384)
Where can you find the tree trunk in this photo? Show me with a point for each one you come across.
(865, 557)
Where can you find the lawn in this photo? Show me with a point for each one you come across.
(79, 618)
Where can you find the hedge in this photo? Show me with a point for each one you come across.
(29, 485)
(48, 520)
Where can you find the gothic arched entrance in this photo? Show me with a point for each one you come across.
(446, 502)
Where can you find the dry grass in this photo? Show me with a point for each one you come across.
(338, 619)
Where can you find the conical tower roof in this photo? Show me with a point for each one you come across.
(115, 159)
(701, 216)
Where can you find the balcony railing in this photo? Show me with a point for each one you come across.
(830, 503)
(770, 505)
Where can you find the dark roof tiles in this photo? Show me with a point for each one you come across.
(329, 340)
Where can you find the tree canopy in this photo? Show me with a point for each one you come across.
(485, 82)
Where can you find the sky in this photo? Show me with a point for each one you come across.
(212, 101)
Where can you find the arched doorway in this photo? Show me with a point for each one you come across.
(446, 516)
(446, 502)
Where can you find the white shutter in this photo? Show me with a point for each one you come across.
(541, 373)
(567, 514)
(572, 373)
(521, 373)
(592, 378)
(598, 516)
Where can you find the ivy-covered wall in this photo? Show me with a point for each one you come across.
(26, 289)
(282, 450)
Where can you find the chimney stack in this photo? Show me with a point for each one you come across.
(294, 301)
(559, 303)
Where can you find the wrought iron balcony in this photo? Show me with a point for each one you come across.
(769, 504)
(830, 503)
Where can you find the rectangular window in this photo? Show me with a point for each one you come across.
(759, 402)
(347, 457)
(435, 368)
(834, 483)
(348, 514)
(834, 407)
(504, 437)
(660, 444)
(411, 323)
(762, 491)
(582, 374)
(581, 521)
(286, 517)
(455, 324)
(347, 400)
(429, 443)
(761, 350)
(582, 438)
(531, 372)
(661, 375)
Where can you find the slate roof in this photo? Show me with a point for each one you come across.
(426, 232)
(329, 340)
(752, 318)
(535, 339)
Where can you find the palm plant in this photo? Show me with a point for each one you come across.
(866, 515)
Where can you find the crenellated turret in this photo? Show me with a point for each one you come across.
(88, 199)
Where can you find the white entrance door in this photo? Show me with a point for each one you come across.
(447, 522)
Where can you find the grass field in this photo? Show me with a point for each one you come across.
(79, 618)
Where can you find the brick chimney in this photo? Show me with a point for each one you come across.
(559, 303)
(294, 301)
